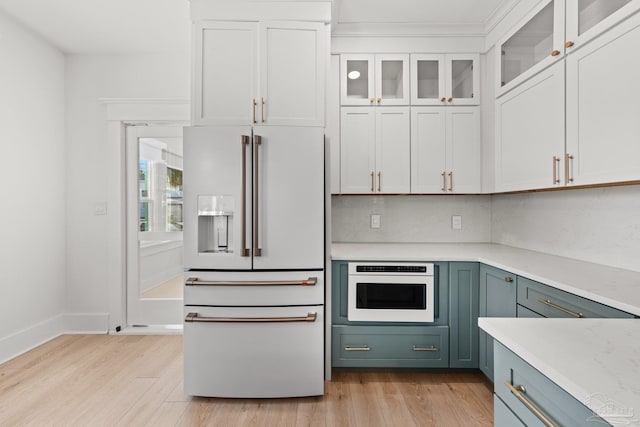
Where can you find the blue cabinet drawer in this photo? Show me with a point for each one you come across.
(514, 377)
(551, 302)
(502, 415)
(525, 312)
(390, 346)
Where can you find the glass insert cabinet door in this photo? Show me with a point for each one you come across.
(357, 78)
(451, 79)
(589, 18)
(392, 79)
(534, 44)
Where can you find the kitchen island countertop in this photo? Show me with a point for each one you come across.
(594, 360)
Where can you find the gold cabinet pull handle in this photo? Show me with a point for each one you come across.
(371, 100)
(568, 168)
(379, 100)
(372, 182)
(562, 309)
(569, 44)
(450, 99)
(444, 181)
(450, 181)
(244, 252)
(443, 99)
(519, 392)
(254, 110)
(508, 279)
(555, 53)
(194, 318)
(262, 110)
(362, 348)
(556, 164)
(379, 182)
(431, 348)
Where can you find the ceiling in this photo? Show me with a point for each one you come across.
(152, 26)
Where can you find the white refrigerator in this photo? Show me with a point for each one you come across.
(254, 252)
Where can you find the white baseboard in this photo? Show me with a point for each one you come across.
(86, 323)
(31, 337)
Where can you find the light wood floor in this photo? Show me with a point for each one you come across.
(102, 380)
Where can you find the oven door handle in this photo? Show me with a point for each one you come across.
(194, 281)
(195, 318)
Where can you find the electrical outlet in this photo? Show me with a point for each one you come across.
(375, 221)
(456, 222)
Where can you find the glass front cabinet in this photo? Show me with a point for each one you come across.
(531, 46)
(445, 79)
(381, 79)
(553, 29)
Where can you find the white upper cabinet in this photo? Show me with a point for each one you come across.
(445, 150)
(374, 150)
(533, 45)
(266, 73)
(293, 63)
(451, 79)
(374, 79)
(587, 19)
(529, 133)
(225, 72)
(603, 126)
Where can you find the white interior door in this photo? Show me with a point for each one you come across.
(154, 225)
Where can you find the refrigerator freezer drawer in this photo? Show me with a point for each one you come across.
(260, 352)
(221, 288)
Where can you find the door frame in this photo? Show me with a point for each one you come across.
(120, 113)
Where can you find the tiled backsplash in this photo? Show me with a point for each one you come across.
(600, 225)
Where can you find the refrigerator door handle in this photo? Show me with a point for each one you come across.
(244, 251)
(194, 281)
(194, 318)
(257, 141)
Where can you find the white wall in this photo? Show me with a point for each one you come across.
(32, 189)
(89, 78)
(411, 218)
(599, 225)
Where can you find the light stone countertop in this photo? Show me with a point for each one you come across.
(611, 286)
(597, 361)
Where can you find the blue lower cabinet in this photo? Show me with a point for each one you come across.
(464, 296)
(497, 299)
(390, 346)
(533, 398)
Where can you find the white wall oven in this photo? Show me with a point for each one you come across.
(391, 292)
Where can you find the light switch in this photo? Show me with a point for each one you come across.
(456, 222)
(375, 221)
(100, 208)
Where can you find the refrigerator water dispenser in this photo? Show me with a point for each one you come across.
(215, 224)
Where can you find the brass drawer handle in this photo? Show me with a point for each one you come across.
(363, 348)
(555, 53)
(569, 44)
(508, 279)
(562, 309)
(432, 348)
(519, 392)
